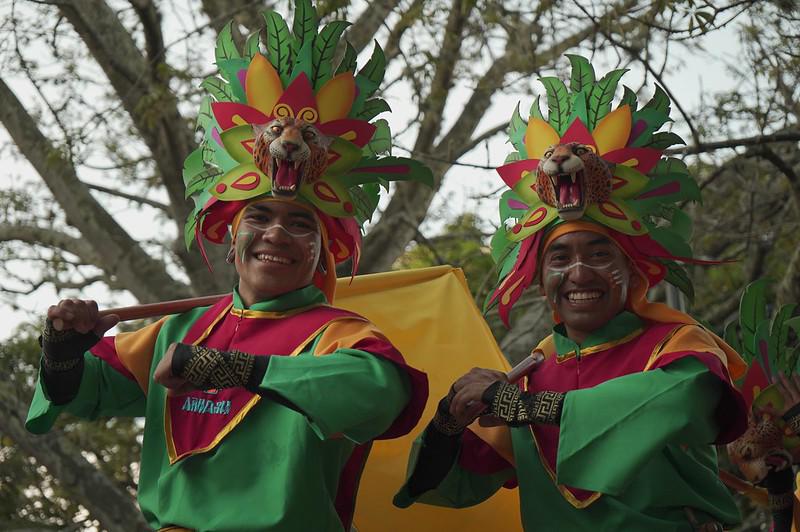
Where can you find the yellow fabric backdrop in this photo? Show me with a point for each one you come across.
(430, 316)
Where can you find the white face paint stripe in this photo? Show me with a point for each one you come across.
(570, 266)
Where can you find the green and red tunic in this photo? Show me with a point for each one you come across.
(644, 403)
(288, 458)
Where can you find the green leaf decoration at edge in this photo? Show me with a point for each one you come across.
(202, 181)
(516, 132)
(733, 338)
(536, 109)
(279, 45)
(579, 107)
(582, 73)
(779, 334)
(205, 119)
(629, 99)
(600, 96)
(192, 165)
(218, 89)
(303, 62)
(768, 358)
(373, 108)
(305, 23)
(323, 51)
(226, 48)
(659, 102)
(188, 230)
(381, 141)
(348, 63)
(752, 313)
(365, 198)
(663, 140)
(677, 276)
(251, 47)
(792, 355)
(375, 68)
(558, 103)
(682, 224)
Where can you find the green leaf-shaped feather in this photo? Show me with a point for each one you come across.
(582, 73)
(348, 63)
(660, 102)
(779, 335)
(324, 48)
(677, 276)
(629, 99)
(279, 45)
(375, 68)
(662, 141)
(600, 97)
(516, 131)
(733, 338)
(226, 48)
(305, 23)
(251, 47)
(752, 313)
(558, 103)
(536, 109)
(381, 141)
(373, 108)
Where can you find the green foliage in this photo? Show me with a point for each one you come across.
(461, 244)
(28, 494)
(226, 48)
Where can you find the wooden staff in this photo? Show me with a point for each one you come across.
(150, 310)
(528, 364)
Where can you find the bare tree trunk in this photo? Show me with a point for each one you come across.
(105, 500)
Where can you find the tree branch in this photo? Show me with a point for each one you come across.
(114, 250)
(108, 503)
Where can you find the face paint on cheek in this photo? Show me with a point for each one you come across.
(559, 280)
(243, 241)
(616, 277)
(312, 251)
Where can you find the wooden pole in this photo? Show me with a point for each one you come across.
(151, 310)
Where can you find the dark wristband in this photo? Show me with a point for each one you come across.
(792, 418)
(516, 408)
(444, 422)
(64, 349)
(206, 367)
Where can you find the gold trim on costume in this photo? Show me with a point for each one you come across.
(249, 313)
(171, 451)
(657, 350)
(568, 495)
(599, 347)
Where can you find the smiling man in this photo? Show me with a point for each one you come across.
(261, 409)
(614, 429)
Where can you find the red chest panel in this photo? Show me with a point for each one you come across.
(197, 422)
(594, 366)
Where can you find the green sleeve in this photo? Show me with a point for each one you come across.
(609, 432)
(459, 489)
(349, 392)
(103, 392)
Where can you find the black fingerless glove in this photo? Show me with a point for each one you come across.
(443, 421)
(780, 498)
(63, 350)
(516, 408)
(206, 367)
(792, 418)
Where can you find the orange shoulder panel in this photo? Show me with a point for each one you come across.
(135, 351)
(344, 333)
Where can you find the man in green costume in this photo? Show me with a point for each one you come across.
(613, 430)
(260, 409)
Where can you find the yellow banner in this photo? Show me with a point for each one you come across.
(430, 316)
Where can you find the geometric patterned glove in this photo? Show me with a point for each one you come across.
(517, 408)
(443, 421)
(206, 368)
(63, 350)
(792, 418)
